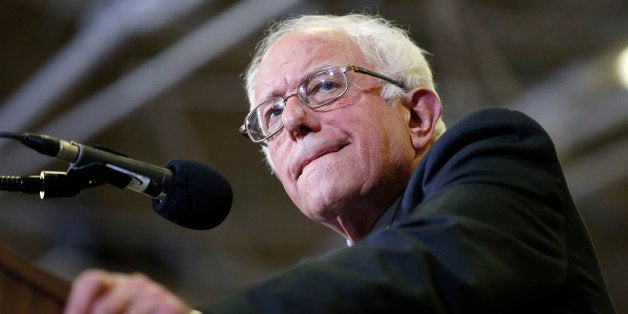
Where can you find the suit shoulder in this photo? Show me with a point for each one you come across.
(490, 127)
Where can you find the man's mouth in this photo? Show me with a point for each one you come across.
(318, 155)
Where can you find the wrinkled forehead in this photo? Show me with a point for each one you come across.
(297, 54)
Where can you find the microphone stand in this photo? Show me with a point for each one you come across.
(50, 184)
(54, 184)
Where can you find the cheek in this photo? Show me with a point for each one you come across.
(278, 164)
(280, 157)
(386, 151)
(383, 139)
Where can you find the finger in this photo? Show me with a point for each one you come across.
(151, 297)
(86, 288)
(119, 298)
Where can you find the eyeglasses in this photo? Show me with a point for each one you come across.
(318, 89)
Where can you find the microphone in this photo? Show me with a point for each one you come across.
(111, 167)
(188, 193)
(199, 197)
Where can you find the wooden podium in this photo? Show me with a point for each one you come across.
(26, 289)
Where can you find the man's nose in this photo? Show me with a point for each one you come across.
(298, 119)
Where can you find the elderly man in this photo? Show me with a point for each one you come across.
(474, 219)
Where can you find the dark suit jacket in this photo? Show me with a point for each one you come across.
(486, 225)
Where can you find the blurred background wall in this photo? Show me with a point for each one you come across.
(159, 79)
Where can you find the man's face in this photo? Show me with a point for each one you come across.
(348, 163)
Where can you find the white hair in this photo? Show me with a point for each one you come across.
(390, 48)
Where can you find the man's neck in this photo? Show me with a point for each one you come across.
(384, 221)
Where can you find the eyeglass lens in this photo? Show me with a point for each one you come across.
(316, 90)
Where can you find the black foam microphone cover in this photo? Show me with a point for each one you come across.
(199, 197)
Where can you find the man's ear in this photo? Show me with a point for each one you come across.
(425, 110)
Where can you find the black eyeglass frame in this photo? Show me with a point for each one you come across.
(244, 130)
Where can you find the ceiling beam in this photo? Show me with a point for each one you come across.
(135, 89)
(106, 28)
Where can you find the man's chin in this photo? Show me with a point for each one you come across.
(325, 205)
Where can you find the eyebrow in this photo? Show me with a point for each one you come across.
(275, 91)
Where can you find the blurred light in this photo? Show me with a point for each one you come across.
(622, 67)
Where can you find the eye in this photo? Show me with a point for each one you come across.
(324, 86)
(272, 110)
(275, 111)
